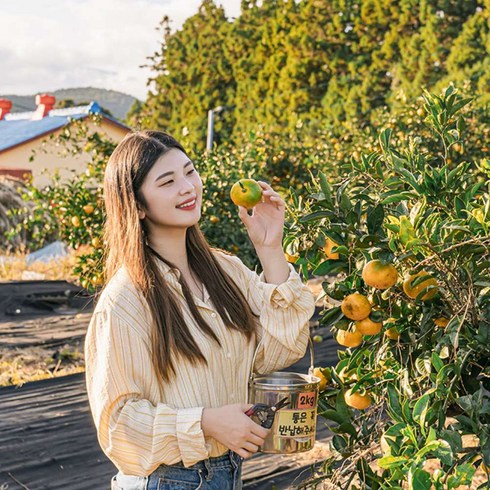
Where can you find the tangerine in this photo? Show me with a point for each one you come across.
(441, 322)
(356, 400)
(349, 339)
(413, 291)
(379, 275)
(329, 244)
(368, 327)
(355, 306)
(323, 379)
(246, 193)
(392, 333)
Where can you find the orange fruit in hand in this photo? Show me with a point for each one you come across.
(356, 400)
(368, 327)
(413, 291)
(329, 244)
(356, 306)
(349, 339)
(379, 275)
(246, 193)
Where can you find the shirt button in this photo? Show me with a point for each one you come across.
(228, 355)
(232, 396)
(213, 315)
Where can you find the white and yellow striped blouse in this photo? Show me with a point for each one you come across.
(143, 422)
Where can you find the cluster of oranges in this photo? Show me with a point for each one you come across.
(357, 308)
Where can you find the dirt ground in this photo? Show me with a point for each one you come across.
(52, 346)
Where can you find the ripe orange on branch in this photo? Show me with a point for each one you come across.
(441, 322)
(246, 193)
(329, 244)
(379, 275)
(412, 291)
(349, 339)
(392, 333)
(356, 306)
(324, 380)
(368, 327)
(356, 400)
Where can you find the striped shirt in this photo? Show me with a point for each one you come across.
(142, 422)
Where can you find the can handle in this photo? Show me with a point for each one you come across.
(312, 358)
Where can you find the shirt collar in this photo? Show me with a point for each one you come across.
(167, 271)
(173, 276)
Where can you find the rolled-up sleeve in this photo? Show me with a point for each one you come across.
(136, 434)
(284, 312)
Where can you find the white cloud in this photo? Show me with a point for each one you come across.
(51, 44)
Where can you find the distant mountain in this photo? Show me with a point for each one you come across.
(116, 102)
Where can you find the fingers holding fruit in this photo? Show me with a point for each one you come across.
(270, 196)
(265, 226)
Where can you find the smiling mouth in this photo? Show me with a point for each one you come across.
(187, 205)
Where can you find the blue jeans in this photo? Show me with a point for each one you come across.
(221, 473)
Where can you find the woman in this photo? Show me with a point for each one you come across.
(170, 345)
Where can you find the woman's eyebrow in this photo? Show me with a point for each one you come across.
(169, 173)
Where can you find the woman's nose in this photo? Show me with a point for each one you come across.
(186, 187)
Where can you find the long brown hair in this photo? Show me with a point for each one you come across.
(125, 237)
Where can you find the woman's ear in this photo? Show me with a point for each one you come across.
(141, 212)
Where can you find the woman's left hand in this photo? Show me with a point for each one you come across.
(265, 226)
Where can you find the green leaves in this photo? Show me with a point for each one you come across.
(419, 479)
(391, 462)
(423, 214)
(407, 234)
(420, 411)
(375, 217)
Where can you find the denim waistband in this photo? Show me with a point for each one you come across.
(227, 459)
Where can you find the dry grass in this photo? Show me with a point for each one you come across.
(13, 267)
(18, 366)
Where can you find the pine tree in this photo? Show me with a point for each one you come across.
(192, 76)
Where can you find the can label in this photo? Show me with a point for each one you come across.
(307, 400)
(296, 423)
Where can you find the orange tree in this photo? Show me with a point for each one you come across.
(407, 236)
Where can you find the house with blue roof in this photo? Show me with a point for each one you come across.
(22, 135)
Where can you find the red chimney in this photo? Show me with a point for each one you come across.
(45, 103)
(5, 107)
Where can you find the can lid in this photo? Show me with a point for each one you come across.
(284, 380)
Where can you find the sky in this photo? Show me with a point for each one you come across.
(47, 45)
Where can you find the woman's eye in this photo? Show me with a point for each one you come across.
(190, 171)
(165, 183)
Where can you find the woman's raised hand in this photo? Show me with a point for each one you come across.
(265, 226)
(231, 427)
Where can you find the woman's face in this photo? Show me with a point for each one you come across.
(173, 192)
